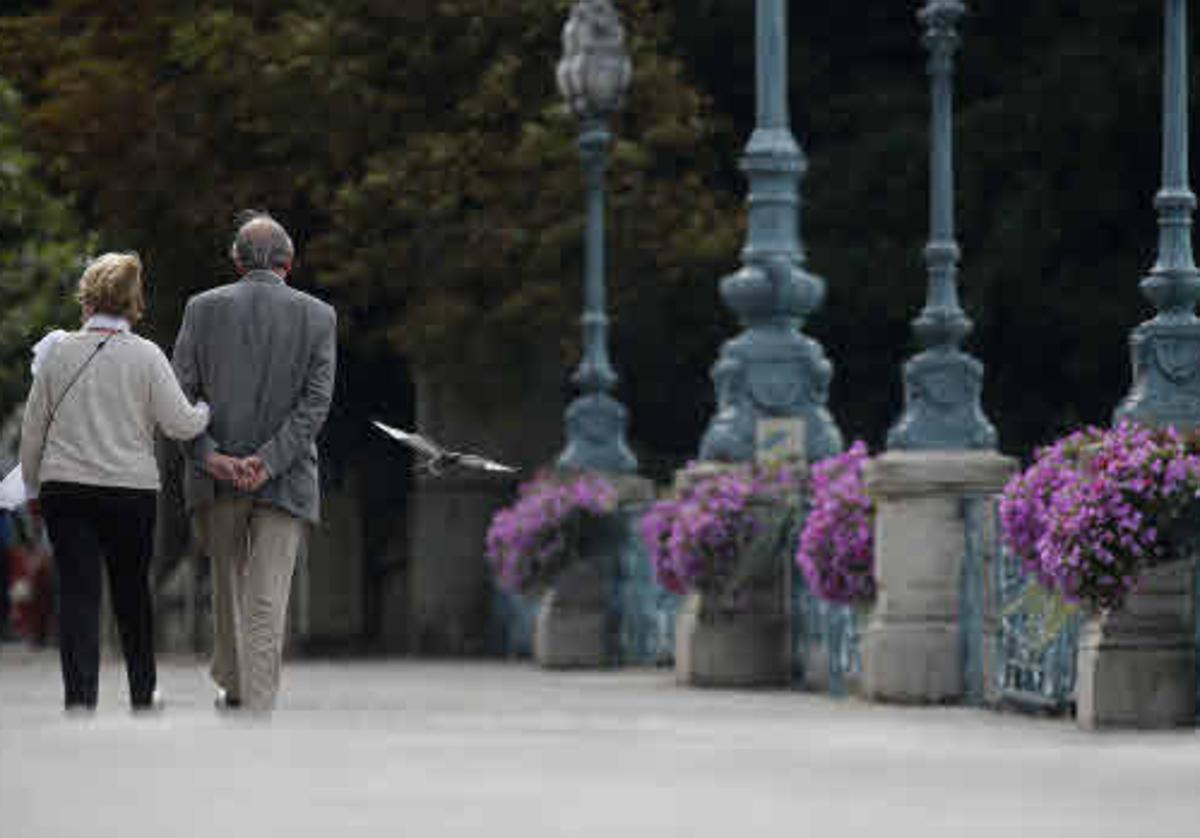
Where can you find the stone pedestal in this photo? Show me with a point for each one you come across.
(741, 637)
(738, 639)
(447, 584)
(329, 586)
(718, 645)
(574, 627)
(576, 624)
(1137, 666)
(390, 580)
(913, 646)
(437, 588)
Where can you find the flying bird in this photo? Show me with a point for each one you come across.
(436, 458)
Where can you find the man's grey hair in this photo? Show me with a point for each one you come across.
(261, 242)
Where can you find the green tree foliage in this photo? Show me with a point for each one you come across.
(419, 151)
(42, 249)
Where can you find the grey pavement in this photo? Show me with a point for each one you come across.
(428, 749)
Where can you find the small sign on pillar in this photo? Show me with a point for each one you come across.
(780, 440)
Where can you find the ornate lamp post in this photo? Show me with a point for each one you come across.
(1166, 349)
(1137, 666)
(593, 76)
(926, 641)
(942, 384)
(771, 369)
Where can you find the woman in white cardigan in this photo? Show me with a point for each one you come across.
(87, 453)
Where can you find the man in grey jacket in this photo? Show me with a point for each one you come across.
(262, 354)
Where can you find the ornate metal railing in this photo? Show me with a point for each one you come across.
(645, 612)
(510, 624)
(1029, 669)
(826, 642)
(1035, 669)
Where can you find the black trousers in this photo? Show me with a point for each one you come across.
(87, 524)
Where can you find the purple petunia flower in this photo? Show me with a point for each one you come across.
(528, 543)
(696, 538)
(836, 553)
(1099, 506)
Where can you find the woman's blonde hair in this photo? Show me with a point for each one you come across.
(112, 284)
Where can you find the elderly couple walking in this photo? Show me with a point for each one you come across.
(250, 389)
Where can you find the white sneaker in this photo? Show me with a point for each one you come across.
(156, 705)
(224, 701)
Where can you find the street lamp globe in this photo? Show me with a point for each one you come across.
(595, 70)
(593, 75)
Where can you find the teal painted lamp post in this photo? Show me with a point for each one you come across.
(771, 369)
(942, 384)
(593, 76)
(1166, 349)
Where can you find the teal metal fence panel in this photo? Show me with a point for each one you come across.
(971, 596)
(1034, 671)
(510, 624)
(826, 641)
(645, 611)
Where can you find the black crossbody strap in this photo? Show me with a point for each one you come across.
(70, 384)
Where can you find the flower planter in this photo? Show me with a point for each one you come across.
(737, 641)
(727, 537)
(1106, 518)
(575, 626)
(1136, 666)
(562, 541)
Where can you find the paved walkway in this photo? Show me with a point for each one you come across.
(423, 750)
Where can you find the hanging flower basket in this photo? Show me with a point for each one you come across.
(719, 532)
(837, 551)
(1099, 507)
(531, 542)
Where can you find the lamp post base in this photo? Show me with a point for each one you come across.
(1166, 383)
(596, 436)
(770, 371)
(942, 412)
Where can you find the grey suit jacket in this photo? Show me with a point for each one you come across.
(262, 354)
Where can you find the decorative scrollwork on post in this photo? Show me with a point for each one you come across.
(772, 369)
(1166, 348)
(942, 385)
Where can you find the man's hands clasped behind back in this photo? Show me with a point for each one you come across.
(247, 474)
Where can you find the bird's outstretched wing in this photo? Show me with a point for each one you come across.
(475, 461)
(436, 457)
(415, 441)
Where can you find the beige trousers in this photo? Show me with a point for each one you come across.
(253, 549)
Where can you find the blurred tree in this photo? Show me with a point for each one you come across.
(419, 151)
(420, 154)
(42, 249)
